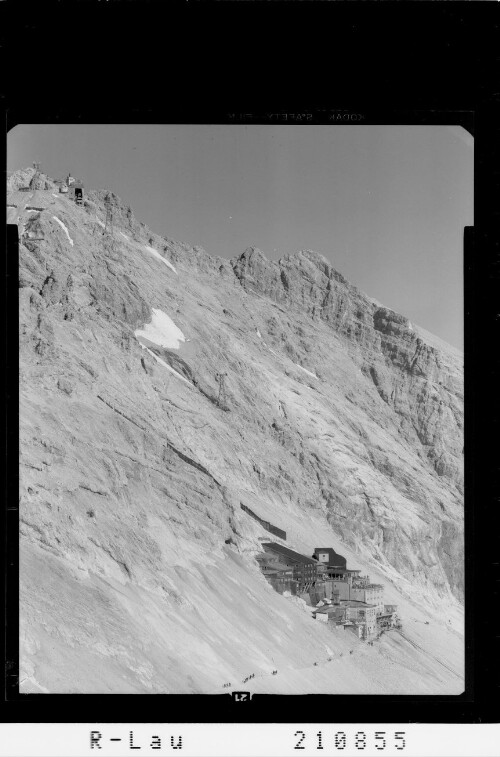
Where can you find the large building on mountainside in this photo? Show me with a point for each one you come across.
(342, 596)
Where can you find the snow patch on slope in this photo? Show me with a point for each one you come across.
(64, 227)
(162, 331)
(160, 257)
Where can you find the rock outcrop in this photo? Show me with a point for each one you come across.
(344, 427)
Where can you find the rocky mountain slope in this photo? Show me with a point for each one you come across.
(343, 426)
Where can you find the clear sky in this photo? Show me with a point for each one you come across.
(385, 204)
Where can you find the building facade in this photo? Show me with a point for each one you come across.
(278, 575)
(372, 594)
(340, 587)
(304, 568)
(363, 615)
(331, 592)
(75, 191)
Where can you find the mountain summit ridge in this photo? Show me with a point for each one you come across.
(343, 426)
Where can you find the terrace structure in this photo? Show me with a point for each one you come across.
(388, 618)
(343, 574)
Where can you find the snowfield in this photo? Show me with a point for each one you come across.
(63, 226)
(160, 257)
(162, 331)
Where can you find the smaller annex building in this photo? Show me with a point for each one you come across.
(363, 614)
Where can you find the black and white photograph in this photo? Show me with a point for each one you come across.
(241, 407)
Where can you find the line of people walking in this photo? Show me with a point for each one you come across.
(275, 672)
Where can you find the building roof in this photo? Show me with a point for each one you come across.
(344, 570)
(289, 553)
(334, 558)
(330, 609)
(355, 603)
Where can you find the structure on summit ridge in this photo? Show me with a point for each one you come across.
(76, 191)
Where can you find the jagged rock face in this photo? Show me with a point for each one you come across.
(26, 179)
(408, 374)
(341, 413)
